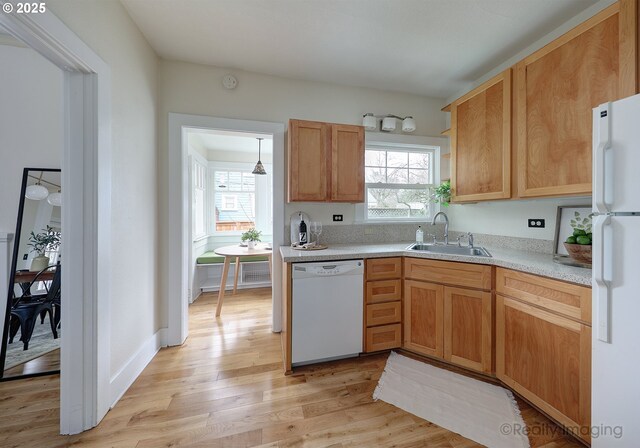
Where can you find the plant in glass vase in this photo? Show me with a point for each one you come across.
(251, 237)
(46, 241)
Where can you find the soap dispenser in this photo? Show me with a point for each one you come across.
(419, 235)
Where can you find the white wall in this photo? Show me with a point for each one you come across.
(510, 217)
(31, 123)
(31, 134)
(197, 89)
(108, 30)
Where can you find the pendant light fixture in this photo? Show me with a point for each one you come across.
(55, 199)
(259, 169)
(37, 192)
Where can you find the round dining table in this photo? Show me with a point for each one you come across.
(235, 252)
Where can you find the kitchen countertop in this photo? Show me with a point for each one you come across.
(531, 262)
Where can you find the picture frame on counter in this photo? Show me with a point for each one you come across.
(564, 215)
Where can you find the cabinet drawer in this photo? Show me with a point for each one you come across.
(448, 272)
(384, 291)
(383, 338)
(384, 268)
(560, 297)
(384, 313)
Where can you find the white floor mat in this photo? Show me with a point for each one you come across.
(479, 411)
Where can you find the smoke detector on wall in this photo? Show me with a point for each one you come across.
(229, 82)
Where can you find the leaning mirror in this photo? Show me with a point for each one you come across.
(31, 320)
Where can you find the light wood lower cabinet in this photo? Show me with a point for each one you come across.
(448, 312)
(423, 314)
(546, 358)
(467, 328)
(384, 337)
(382, 304)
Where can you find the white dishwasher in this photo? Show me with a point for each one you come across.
(326, 314)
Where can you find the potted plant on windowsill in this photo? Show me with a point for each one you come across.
(251, 237)
(46, 241)
(442, 193)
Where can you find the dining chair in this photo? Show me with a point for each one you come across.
(26, 309)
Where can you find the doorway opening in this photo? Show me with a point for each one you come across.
(229, 208)
(85, 192)
(233, 214)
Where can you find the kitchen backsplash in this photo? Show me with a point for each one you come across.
(398, 233)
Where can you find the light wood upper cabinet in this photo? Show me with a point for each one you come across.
(555, 90)
(468, 328)
(423, 313)
(481, 142)
(546, 358)
(326, 162)
(309, 161)
(347, 163)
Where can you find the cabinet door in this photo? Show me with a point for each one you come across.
(547, 359)
(481, 142)
(467, 328)
(347, 163)
(556, 89)
(423, 311)
(309, 160)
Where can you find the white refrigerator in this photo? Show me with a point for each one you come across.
(616, 275)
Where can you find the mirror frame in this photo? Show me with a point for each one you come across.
(12, 276)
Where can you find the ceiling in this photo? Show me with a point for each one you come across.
(427, 47)
(214, 140)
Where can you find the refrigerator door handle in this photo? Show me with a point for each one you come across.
(603, 144)
(601, 262)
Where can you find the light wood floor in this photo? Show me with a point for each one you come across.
(45, 363)
(225, 388)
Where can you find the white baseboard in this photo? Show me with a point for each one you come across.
(198, 294)
(124, 378)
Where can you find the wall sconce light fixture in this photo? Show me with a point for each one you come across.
(387, 122)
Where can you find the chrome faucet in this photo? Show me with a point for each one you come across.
(469, 236)
(446, 225)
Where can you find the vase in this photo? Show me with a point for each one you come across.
(39, 263)
(251, 244)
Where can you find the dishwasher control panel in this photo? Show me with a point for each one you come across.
(328, 269)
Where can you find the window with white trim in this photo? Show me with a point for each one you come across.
(199, 176)
(398, 180)
(241, 200)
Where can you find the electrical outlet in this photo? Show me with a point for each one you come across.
(337, 218)
(536, 222)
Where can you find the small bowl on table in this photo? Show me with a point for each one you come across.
(579, 252)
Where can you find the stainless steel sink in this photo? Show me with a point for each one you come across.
(450, 250)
